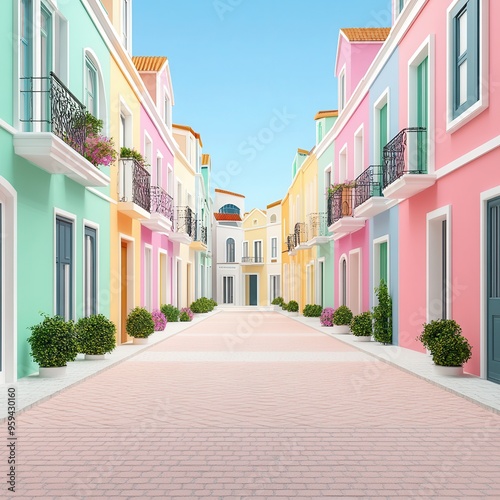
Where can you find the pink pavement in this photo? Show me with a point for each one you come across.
(256, 405)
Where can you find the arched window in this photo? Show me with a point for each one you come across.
(273, 219)
(94, 94)
(343, 284)
(230, 257)
(229, 208)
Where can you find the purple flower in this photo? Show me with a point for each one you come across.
(159, 320)
(186, 314)
(326, 317)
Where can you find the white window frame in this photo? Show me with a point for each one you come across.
(359, 151)
(148, 151)
(126, 30)
(343, 257)
(343, 164)
(274, 247)
(96, 227)
(244, 244)
(148, 293)
(261, 250)
(159, 169)
(379, 104)
(375, 264)
(102, 108)
(342, 89)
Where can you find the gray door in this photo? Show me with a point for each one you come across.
(253, 289)
(493, 334)
(64, 268)
(90, 271)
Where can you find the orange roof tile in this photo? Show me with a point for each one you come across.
(228, 192)
(302, 151)
(326, 114)
(205, 159)
(189, 129)
(366, 34)
(274, 204)
(149, 63)
(230, 217)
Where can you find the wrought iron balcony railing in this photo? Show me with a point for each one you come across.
(317, 225)
(290, 242)
(135, 183)
(340, 204)
(48, 101)
(252, 260)
(368, 184)
(300, 233)
(186, 221)
(162, 203)
(405, 154)
(200, 233)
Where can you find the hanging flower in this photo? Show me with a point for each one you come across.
(99, 150)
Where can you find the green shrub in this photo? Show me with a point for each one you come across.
(170, 312)
(312, 311)
(214, 304)
(202, 305)
(362, 325)
(382, 315)
(95, 334)
(436, 329)
(293, 306)
(278, 301)
(342, 316)
(140, 324)
(53, 342)
(451, 350)
(284, 306)
(186, 314)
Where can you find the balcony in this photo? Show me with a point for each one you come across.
(55, 132)
(405, 164)
(199, 243)
(369, 200)
(252, 261)
(290, 243)
(134, 189)
(162, 211)
(185, 227)
(317, 229)
(341, 218)
(300, 233)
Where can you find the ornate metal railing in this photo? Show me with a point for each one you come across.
(47, 100)
(317, 225)
(252, 260)
(162, 203)
(290, 242)
(135, 183)
(200, 233)
(405, 154)
(368, 184)
(300, 233)
(340, 204)
(186, 221)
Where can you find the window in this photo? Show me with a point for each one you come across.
(343, 164)
(245, 249)
(126, 24)
(159, 166)
(64, 268)
(227, 289)
(465, 55)
(274, 248)
(148, 272)
(230, 257)
(148, 150)
(90, 270)
(167, 111)
(342, 90)
(90, 87)
(343, 282)
(257, 251)
(400, 5)
(274, 287)
(358, 151)
(273, 219)
(229, 209)
(381, 128)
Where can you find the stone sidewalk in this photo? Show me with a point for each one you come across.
(247, 405)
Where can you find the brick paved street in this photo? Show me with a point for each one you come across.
(256, 405)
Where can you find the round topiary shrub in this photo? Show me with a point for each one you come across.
(53, 342)
(342, 316)
(186, 314)
(362, 325)
(451, 350)
(159, 320)
(326, 318)
(284, 306)
(214, 304)
(293, 306)
(140, 324)
(437, 329)
(170, 312)
(201, 305)
(312, 311)
(278, 301)
(95, 334)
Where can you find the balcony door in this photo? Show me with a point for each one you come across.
(46, 65)
(257, 251)
(64, 268)
(26, 61)
(422, 113)
(383, 133)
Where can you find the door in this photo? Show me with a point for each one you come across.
(253, 289)
(382, 132)
(422, 113)
(382, 262)
(90, 271)
(493, 294)
(124, 291)
(46, 65)
(163, 279)
(320, 283)
(64, 268)
(26, 64)
(354, 283)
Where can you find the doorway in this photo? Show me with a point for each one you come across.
(126, 284)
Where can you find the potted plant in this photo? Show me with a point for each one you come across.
(95, 336)
(362, 327)
(53, 344)
(186, 314)
(159, 320)
(326, 318)
(140, 325)
(277, 303)
(293, 308)
(284, 306)
(449, 353)
(436, 329)
(133, 154)
(382, 315)
(342, 320)
(171, 312)
(312, 311)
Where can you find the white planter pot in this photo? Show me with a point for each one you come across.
(141, 341)
(52, 372)
(94, 357)
(293, 313)
(341, 329)
(277, 308)
(363, 338)
(449, 371)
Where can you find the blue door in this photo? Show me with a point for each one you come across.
(253, 289)
(493, 293)
(90, 271)
(64, 268)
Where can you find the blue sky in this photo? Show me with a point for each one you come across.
(249, 76)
